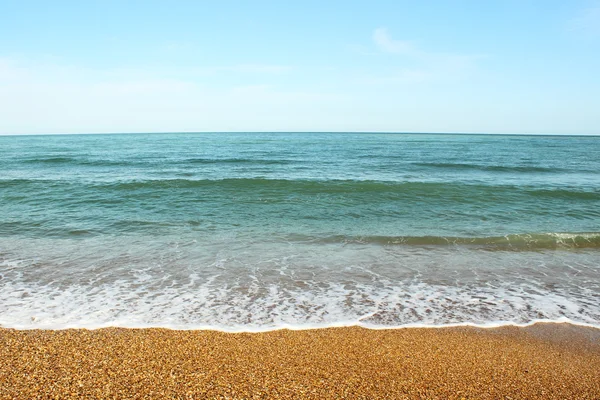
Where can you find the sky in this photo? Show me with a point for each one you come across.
(523, 66)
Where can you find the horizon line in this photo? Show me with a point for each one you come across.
(307, 132)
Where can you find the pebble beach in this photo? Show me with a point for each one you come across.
(542, 361)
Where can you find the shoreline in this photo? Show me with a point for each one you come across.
(308, 327)
(542, 360)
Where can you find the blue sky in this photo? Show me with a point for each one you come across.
(392, 66)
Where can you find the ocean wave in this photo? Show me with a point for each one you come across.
(81, 161)
(254, 161)
(413, 210)
(50, 160)
(527, 241)
(316, 186)
(137, 161)
(493, 168)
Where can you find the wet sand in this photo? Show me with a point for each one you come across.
(544, 361)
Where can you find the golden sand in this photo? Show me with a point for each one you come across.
(546, 361)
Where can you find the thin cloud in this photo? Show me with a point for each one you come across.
(257, 68)
(71, 99)
(425, 66)
(587, 23)
(385, 43)
(177, 46)
(7, 70)
(404, 76)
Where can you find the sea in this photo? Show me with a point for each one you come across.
(262, 231)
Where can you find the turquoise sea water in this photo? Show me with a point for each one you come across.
(254, 231)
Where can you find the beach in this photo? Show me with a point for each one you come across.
(541, 361)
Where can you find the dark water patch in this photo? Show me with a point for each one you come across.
(81, 232)
(8, 228)
(77, 191)
(564, 193)
(50, 160)
(245, 161)
(134, 225)
(107, 163)
(493, 168)
(44, 228)
(74, 161)
(315, 186)
(33, 183)
(349, 187)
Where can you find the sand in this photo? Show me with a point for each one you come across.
(545, 361)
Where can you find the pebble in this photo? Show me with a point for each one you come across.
(333, 363)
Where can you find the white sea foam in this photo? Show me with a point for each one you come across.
(206, 306)
(262, 286)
